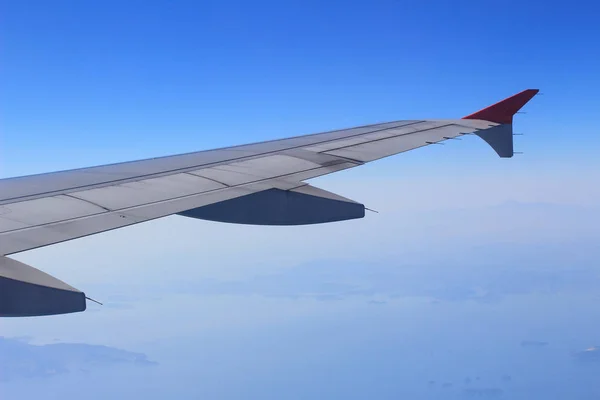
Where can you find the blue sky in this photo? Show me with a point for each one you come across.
(100, 82)
(469, 256)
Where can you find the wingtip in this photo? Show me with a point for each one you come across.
(503, 111)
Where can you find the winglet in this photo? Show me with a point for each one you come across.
(503, 111)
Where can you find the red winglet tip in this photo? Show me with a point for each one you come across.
(503, 111)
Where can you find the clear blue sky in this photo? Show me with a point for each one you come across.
(95, 82)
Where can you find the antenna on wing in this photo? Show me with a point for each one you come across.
(376, 212)
(453, 138)
(95, 301)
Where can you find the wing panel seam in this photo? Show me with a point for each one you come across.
(204, 177)
(88, 201)
(124, 210)
(183, 169)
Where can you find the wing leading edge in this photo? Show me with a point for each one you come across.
(261, 183)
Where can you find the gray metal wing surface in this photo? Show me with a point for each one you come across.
(261, 183)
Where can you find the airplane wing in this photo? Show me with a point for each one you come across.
(261, 183)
